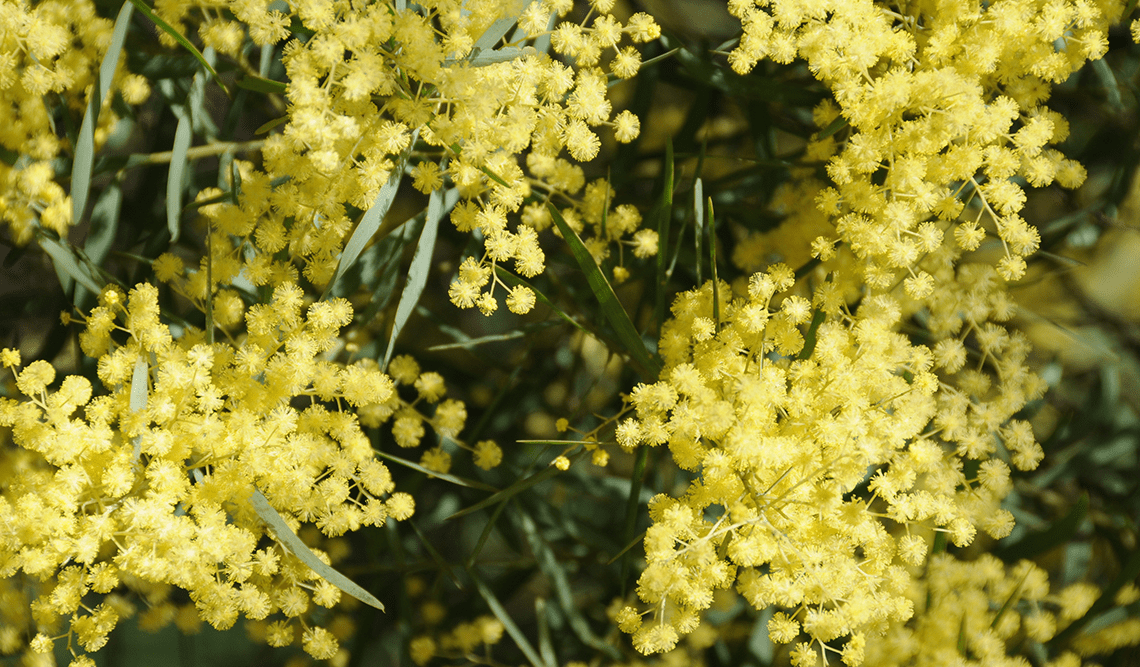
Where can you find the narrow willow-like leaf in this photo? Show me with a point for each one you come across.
(833, 127)
(138, 398)
(712, 265)
(261, 85)
(514, 280)
(67, 263)
(447, 477)
(438, 204)
(104, 223)
(186, 44)
(545, 645)
(301, 550)
(647, 365)
(663, 209)
(564, 593)
(372, 218)
(698, 223)
(494, 33)
(85, 142)
(516, 488)
(500, 613)
(182, 137)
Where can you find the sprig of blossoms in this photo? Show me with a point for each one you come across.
(782, 435)
(49, 53)
(378, 90)
(977, 612)
(155, 494)
(944, 107)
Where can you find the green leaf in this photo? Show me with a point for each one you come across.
(563, 589)
(516, 488)
(505, 618)
(1036, 543)
(438, 204)
(186, 44)
(663, 210)
(68, 262)
(699, 223)
(372, 218)
(712, 265)
(261, 85)
(833, 127)
(85, 142)
(647, 365)
(104, 223)
(287, 537)
(138, 398)
(182, 137)
(494, 33)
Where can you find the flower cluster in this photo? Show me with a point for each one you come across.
(150, 488)
(943, 108)
(782, 436)
(49, 55)
(976, 612)
(378, 90)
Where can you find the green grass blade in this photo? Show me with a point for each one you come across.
(85, 142)
(647, 365)
(438, 204)
(186, 44)
(302, 551)
(516, 488)
(505, 618)
(372, 218)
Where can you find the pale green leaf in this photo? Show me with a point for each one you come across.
(438, 204)
(301, 550)
(85, 142)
